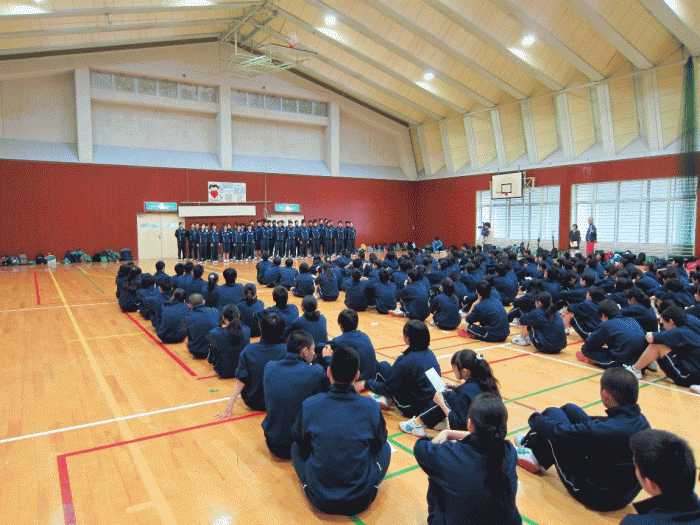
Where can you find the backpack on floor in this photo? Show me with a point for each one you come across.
(126, 255)
(41, 258)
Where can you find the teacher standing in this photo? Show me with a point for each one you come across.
(591, 237)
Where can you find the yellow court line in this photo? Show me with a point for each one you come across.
(144, 470)
(106, 336)
(140, 506)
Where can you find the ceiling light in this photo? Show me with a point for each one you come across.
(519, 53)
(528, 40)
(428, 76)
(21, 10)
(330, 20)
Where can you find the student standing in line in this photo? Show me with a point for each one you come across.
(249, 244)
(472, 478)
(251, 365)
(239, 239)
(202, 243)
(258, 237)
(665, 467)
(193, 241)
(303, 240)
(454, 403)
(315, 239)
(181, 236)
(340, 451)
(287, 383)
(591, 453)
(226, 239)
(265, 238)
(350, 236)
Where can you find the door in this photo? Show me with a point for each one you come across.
(156, 235)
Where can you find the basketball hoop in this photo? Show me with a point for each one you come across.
(292, 39)
(506, 190)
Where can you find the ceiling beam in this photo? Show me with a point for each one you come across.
(442, 46)
(455, 16)
(513, 9)
(609, 33)
(247, 38)
(367, 59)
(409, 57)
(238, 23)
(674, 24)
(115, 45)
(346, 70)
(128, 10)
(55, 31)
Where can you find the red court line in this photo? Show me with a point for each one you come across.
(176, 358)
(207, 377)
(36, 285)
(64, 478)
(575, 343)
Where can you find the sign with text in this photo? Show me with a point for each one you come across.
(226, 191)
(287, 208)
(160, 206)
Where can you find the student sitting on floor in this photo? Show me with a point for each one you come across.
(288, 274)
(122, 275)
(211, 297)
(160, 275)
(226, 342)
(526, 302)
(251, 364)
(169, 329)
(231, 291)
(543, 327)
(179, 271)
(472, 477)
(384, 293)
(413, 298)
(640, 309)
(676, 348)
(288, 311)
(327, 284)
(128, 300)
(445, 307)
(405, 381)
(249, 307)
(665, 467)
(487, 319)
(262, 266)
(287, 383)
(273, 275)
(348, 321)
(355, 292)
(198, 322)
(584, 317)
(474, 370)
(196, 285)
(591, 453)
(617, 341)
(146, 291)
(303, 282)
(340, 451)
(312, 322)
(155, 302)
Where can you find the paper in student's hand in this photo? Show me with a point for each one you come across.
(436, 380)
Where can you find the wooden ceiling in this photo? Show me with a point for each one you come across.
(416, 60)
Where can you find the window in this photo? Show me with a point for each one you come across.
(656, 217)
(527, 219)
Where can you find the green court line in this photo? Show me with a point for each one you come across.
(395, 435)
(552, 388)
(93, 282)
(403, 471)
(356, 520)
(528, 520)
(402, 447)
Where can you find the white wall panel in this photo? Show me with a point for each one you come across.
(361, 143)
(152, 128)
(39, 109)
(281, 140)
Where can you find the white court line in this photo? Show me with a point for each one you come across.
(50, 307)
(107, 421)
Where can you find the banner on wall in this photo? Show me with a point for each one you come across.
(226, 191)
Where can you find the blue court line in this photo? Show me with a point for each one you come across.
(93, 282)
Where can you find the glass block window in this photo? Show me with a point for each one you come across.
(208, 94)
(187, 92)
(256, 100)
(167, 89)
(124, 83)
(101, 80)
(153, 87)
(239, 98)
(533, 217)
(273, 103)
(147, 86)
(656, 217)
(320, 109)
(289, 104)
(305, 107)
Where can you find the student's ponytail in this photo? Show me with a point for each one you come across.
(549, 309)
(639, 296)
(212, 281)
(235, 329)
(489, 416)
(249, 294)
(448, 288)
(480, 369)
(327, 272)
(179, 296)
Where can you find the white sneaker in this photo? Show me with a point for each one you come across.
(520, 341)
(528, 461)
(695, 388)
(632, 369)
(515, 322)
(518, 440)
(413, 428)
(381, 400)
(653, 366)
(567, 331)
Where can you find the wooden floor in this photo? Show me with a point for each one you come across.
(99, 423)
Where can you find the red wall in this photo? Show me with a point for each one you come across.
(447, 207)
(55, 207)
